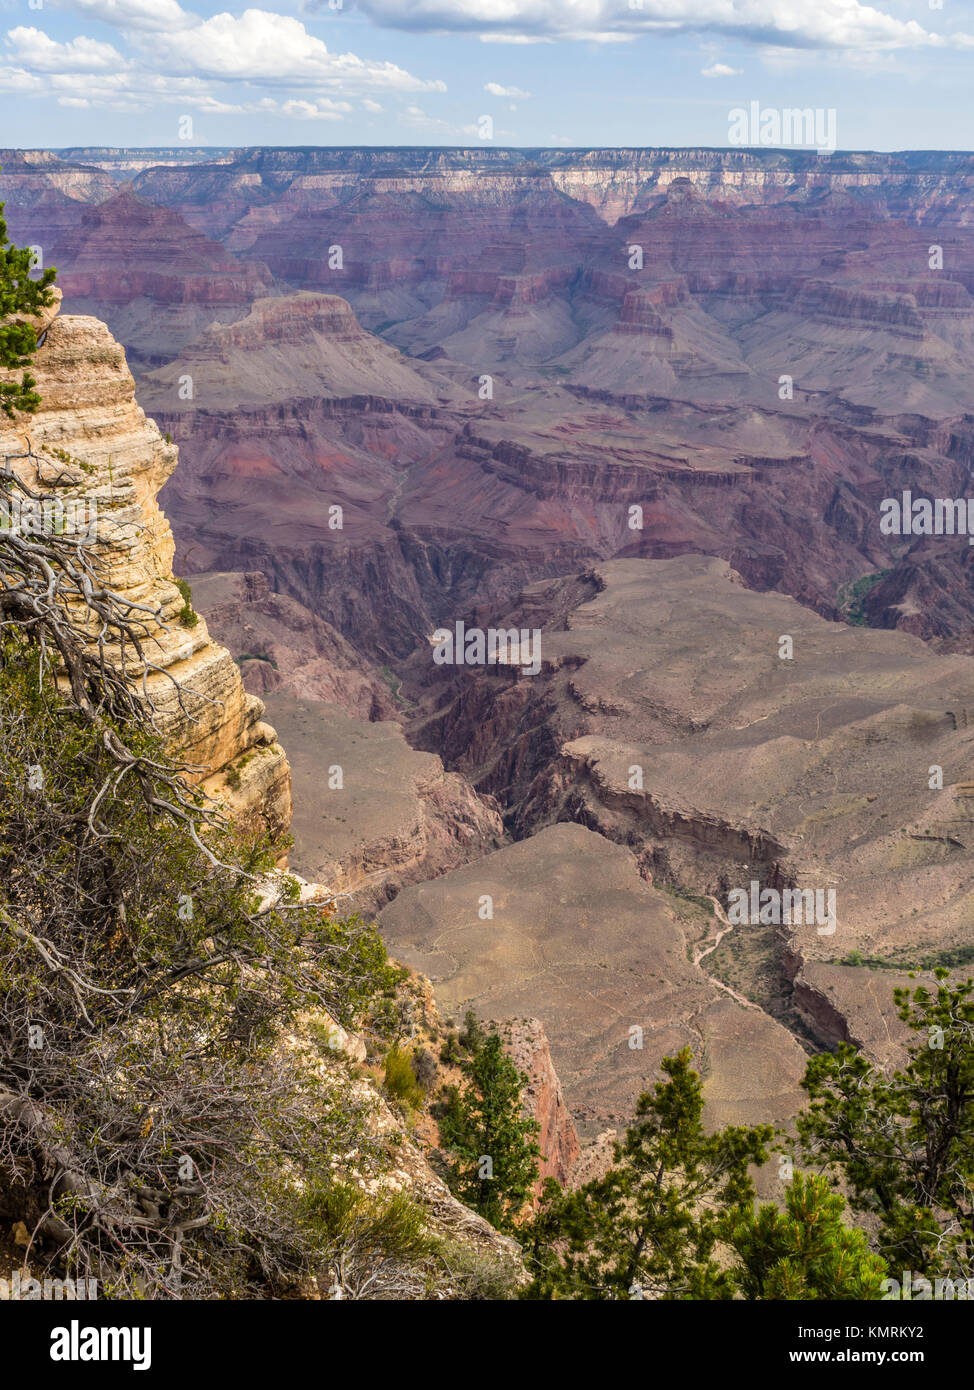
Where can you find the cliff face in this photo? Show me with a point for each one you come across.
(527, 1046)
(281, 645)
(614, 182)
(110, 462)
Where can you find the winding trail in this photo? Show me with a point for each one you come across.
(704, 950)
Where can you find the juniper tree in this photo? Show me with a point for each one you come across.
(805, 1251)
(675, 1218)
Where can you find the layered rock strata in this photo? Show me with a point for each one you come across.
(92, 450)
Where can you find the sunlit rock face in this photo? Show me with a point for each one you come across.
(105, 462)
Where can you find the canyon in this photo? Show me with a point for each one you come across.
(90, 443)
(646, 401)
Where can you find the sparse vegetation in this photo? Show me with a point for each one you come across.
(951, 958)
(902, 1145)
(69, 460)
(188, 617)
(19, 296)
(400, 1080)
(234, 774)
(850, 597)
(395, 685)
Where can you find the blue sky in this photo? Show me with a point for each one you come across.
(547, 72)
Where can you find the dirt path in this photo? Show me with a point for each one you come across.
(703, 951)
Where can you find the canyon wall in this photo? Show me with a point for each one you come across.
(611, 384)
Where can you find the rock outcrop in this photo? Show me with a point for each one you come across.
(527, 1046)
(94, 449)
(299, 345)
(371, 813)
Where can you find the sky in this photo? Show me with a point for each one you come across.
(896, 75)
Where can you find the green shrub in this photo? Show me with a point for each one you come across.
(400, 1079)
(188, 617)
(19, 294)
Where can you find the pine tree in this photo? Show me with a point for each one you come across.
(650, 1226)
(903, 1145)
(494, 1165)
(19, 295)
(674, 1218)
(804, 1252)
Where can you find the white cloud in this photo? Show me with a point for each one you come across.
(174, 55)
(416, 116)
(32, 49)
(514, 38)
(103, 89)
(496, 90)
(720, 70)
(261, 46)
(314, 110)
(835, 24)
(133, 14)
(130, 91)
(371, 105)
